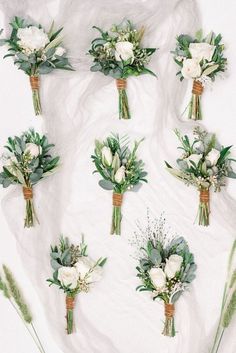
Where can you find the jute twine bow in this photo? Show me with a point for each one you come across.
(34, 82)
(28, 193)
(197, 88)
(169, 310)
(121, 83)
(204, 196)
(70, 303)
(117, 199)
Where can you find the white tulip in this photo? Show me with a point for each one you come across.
(84, 265)
(120, 175)
(116, 162)
(124, 51)
(68, 276)
(201, 51)
(106, 156)
(32, 38)
(33, 149)
(60, 51)
(158, 278)
(213, 156)
(194, 157)
(191, 68)
(173, 265)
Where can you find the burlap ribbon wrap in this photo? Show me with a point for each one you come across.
(28, 193)
(121, 83)
(70, 303)
(197, 88)
(204, 196)
(34, 82)
(169, 310)
(117, 199)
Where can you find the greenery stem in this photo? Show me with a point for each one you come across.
(123, 104)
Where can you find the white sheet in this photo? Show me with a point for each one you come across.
(81, 106)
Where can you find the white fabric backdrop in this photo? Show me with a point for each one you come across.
(81, 106)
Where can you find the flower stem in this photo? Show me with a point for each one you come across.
(36, 101)
(169, 327)
(116, 220)
(30, 214)
(195, 112)
(123, 105)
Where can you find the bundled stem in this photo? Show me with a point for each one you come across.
(204, 207)
(123, 99)
(169, 325)
(34, 82)
(116, 215)
(30, 215)
(70, 303)
(195, 112)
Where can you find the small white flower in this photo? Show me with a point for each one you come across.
(158, 278)
(32, 38)
(106, 156)
(173, 265)
(33, 149)
(68, 275)
(205, 81)
(60, 51)
(180, 58)
(124, 51)
(201, 51)
(120, 175)
(191, 68)
(213, 156)
(84, 266)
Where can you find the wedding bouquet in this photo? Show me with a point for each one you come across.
(120, 170)
(201, 60)
(166, 267)
(27, 162)
(74, 272)
(204, 163)
(118, 53)
(36, 52)
(228, 307)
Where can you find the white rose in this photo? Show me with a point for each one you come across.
(106, 156)
(83, 266)
(120, 175)
(158, 278)
(60, 51)
(33, 149)
(213, 156)
(194, 157)
(191, 68)
(173, 265)
(201, 51)
(68, 275)
(124, 51)
(32, 38)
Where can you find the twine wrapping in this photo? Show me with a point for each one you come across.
(204, 196)
(121, 83)
(169, 310)
(197, 88)
(117, 199)
(34, 82)
(28, 193)
(70, 303)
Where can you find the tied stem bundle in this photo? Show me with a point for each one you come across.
(30, 215)
(35, 84)
(169, 326)
(117, 199)
(70, 303)
(195, 112)
(123, 99)
(204, 207)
